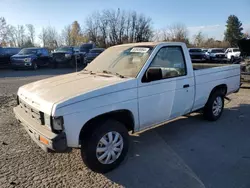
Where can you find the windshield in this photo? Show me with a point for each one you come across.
(63, 49)
(195, 50)
(86, 47)
(27, 51)
(76, 49)
(217, 51)
(126, 60)
(236, 50)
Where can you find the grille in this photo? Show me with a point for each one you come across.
(196, 56)
(220, 56)
(34, 114)
(59, 56)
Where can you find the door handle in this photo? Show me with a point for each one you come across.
(186, 86)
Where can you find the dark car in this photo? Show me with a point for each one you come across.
(197, 55)
(65, 56)
(31, 58)
(93, 54)
(85, 49)
(216, 55)
(5, 54)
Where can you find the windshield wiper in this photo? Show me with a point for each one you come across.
(117, 74)
(88, 72)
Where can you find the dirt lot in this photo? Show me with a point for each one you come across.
(189, 152)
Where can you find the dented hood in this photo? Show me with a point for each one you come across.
(45, 93)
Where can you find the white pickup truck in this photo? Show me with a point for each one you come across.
(129, 87)
(232, 54)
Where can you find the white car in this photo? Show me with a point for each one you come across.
(216, 55)
(129, 87)
(232, 54)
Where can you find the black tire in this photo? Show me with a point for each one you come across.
(208, 109)
(232, 59)
(73, 62)
(90, 143)
(34, 66)
(54, 64)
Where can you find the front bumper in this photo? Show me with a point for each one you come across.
(54, 142)
(218, 59)
(21, 64)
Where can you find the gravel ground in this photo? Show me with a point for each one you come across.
(188, 152)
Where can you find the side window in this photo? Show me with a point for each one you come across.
(45, 52)
(39, 51)
(171, 61)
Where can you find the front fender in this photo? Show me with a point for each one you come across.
(73, 123)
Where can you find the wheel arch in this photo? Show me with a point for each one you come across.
(221, 87)
(124, 116)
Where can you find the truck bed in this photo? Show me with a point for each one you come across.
(198, 66)
(209, 75)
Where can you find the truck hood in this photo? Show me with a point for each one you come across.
(45, 93)
(23, 56)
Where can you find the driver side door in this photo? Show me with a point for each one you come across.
(169, 97)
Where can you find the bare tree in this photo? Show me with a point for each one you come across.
(92, 27)
(31, 32)
(65, 35)
(49, 37)
(111, 27)
(103, 27)
(199, 39)
(3, 31)
(178, 33)
(20, 35)
(12, 36)
(43, 36)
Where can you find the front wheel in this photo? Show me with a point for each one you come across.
(106, 146)
(34, 66)
(232, 59)
(214, 107)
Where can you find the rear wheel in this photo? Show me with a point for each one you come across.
(214, 107)
(105, 147)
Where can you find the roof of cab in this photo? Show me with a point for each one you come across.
(150, 43)
(34, 48)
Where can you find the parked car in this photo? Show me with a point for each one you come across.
(129, 87)
(5, 54)
(197, 55)
(204, 50)
(216, 55)
(79, 55)
(232, 54)
(85, 48)
(65, 56)
(93, 53)
(31, 58)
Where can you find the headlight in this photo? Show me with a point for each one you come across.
(57, 123)
(17, 100)
(27, 59)
(47, 120)
(68, 55)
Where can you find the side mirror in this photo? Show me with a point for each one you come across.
(153, 73)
